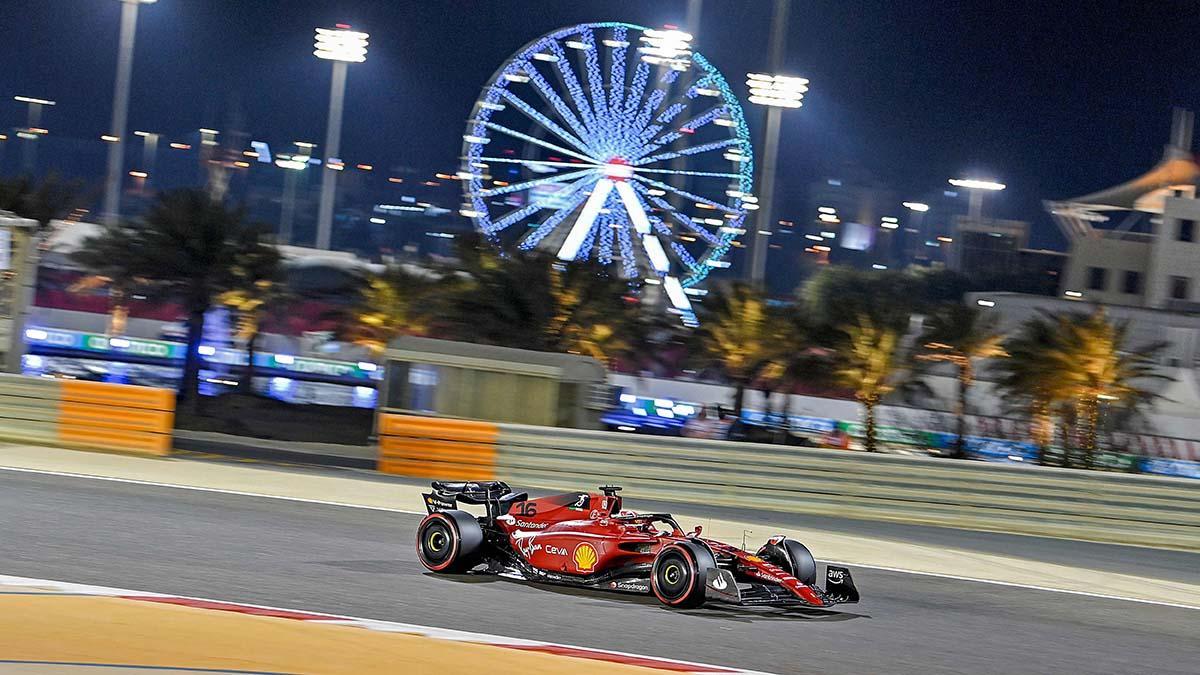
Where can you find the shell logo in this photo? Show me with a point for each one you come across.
(585, 557)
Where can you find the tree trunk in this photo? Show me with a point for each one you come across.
(1043, 428)
(246, 384)
(189, 386)
(739, 397)
(869, 404)
(1090, 419)
(960, 411)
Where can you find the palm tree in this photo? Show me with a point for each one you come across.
(961, 335)
(188, 245)
(1026, 380)
(868, 363)
(534, 301)
(1091, 356)
(744, 337)
(258, 287)
(391, 303)
(50, 199)
(1081, 360)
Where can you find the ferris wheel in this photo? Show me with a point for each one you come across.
(613, 142)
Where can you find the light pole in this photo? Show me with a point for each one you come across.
(292, 167)
(112, 180)
(776, 92)
(33, 120)
(149, 152)
(342, 46)
(975, 189)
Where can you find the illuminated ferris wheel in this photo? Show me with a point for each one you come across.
(612, 142)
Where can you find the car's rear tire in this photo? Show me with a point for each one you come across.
(678, 576)
(449, 541)
(793, 557)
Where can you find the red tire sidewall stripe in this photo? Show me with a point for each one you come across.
(454, 536)
(687, 556)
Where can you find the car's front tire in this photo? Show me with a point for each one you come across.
(678, 576)
(792, 556)
(449, 541)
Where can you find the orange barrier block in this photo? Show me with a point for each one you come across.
(434, 447)
(118, 417)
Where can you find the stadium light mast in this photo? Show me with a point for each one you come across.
(342, 46)
(116, 148)
(776, 92)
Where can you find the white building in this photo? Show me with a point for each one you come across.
(1138, 243)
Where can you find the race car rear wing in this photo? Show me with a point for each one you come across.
(496, 496)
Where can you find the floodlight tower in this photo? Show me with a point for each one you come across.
(342, 46)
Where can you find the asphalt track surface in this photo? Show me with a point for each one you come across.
(362, 563)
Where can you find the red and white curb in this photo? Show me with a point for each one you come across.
(652, 662)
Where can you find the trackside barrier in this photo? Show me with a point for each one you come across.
(1134, 509)
(88, 415)
(435, 447)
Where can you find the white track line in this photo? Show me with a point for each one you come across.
(940, 575)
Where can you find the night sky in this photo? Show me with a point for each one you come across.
(1054, 99)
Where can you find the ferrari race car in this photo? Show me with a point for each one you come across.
(585, 539)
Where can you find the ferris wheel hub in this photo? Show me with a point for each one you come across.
(617, 168)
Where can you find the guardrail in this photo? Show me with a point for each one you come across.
(1131, 509)
(88, 415)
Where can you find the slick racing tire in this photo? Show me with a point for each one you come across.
(677, 578)
(792, 556)
(449, 541)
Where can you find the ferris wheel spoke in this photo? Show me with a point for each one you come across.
(546, 122)
(599, 104)
(575, 90)
(537, 141)
(616, 74)
(694, 150)
(548, 225)
(685, 172)
(546, 180)
(547, 92)
(532, 162)
(629, 263)
(687, 195)
(688, 127)
(511, 218)
(648, 107)
(685, 220)
(587, 217)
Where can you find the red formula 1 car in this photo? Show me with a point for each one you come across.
(587, 540)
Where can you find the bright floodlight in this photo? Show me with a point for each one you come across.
(972, 184)
(339, 44)
(916, 206)
(38, 101)
(667, 47)
(779, 91)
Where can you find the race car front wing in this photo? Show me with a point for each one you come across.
(721, 586)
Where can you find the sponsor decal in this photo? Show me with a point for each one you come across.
(529, 525)
(637, 586)
(439, 503)
(554, 550)
(585, 557)
(581, 503)
(719, 583)
(835, 575)
(753, 559)
(527, 547)
(776, 540)
(594, 514)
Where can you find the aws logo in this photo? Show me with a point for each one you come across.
(585, 557)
